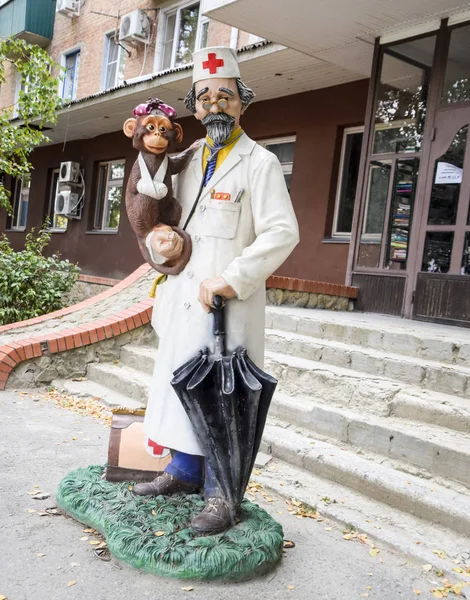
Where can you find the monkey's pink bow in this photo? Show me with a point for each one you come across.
(154, 104)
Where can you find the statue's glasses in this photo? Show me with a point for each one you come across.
(222, 104)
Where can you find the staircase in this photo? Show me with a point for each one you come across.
(370, 423)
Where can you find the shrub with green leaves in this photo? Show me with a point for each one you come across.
(32, 284)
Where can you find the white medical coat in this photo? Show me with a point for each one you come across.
(244, 242)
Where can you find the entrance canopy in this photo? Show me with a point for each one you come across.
(340, 33)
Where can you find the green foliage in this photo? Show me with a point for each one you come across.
(153, 533)
(37, 105)
(32, 284)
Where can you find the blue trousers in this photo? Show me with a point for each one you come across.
(194, 470)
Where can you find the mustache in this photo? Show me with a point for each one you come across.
(218, 118)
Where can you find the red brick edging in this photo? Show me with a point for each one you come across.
(313, 287)
(139, 314)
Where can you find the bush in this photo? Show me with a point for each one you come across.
(32, 284)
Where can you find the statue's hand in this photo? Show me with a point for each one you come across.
(210, 288)
(167, 242)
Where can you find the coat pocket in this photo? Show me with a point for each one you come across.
(221, 219)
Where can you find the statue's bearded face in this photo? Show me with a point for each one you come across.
(218, 107)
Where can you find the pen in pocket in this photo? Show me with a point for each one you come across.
(239, 195)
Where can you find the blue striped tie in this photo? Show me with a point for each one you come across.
(211, 162)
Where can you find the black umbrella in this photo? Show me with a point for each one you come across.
(226, 398)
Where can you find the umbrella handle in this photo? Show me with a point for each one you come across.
(219, 325)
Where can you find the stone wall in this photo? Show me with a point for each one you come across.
(277, 296)
(73, 363)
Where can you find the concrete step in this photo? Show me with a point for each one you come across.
(428, 341)
(91, 389)
(140, 358)
(414, 495)
(383, 524)
(427, 374)
(439, 451)
(374, 394)
(118, 377)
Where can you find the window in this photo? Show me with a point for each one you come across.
(58, 222)
(109, 195)
(19, 200)
(185, 30)
(71, 63)
(114, 63)
(284, 149)
(347, 181)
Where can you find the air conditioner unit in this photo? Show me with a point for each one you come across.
(70, 8)
(69, 172)
(66, 203)
(135, 26)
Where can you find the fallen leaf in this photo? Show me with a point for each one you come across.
(328, 528)
(369, 587)
(70, 583)
(88, 530)
(291, 587)
(74, 564)
(3, 597)
(84, 538)
(153, 512)
(187, 589)
(95, 542)
(440, 553)
(348, 536)
(130, 488)
(288, 544)
(30, 510)
(458, 570)
(374, 551)
(366, 595)
(40, 554)
(39, 496)
(257, 472)
(427, 568)
(159, 533)
(417, 592)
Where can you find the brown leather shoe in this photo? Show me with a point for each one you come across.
(215, 518)
(164, 485)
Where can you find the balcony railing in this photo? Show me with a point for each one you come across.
(31, 20)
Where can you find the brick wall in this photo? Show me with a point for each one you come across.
(88, 32)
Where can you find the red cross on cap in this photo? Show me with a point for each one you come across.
(212, 63)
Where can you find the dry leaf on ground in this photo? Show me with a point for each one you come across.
(40, 554)
(291, 587)
(3, 597)
(427, 568)
(187, 589)
(70, 583)
(417, 592)
(159, 533)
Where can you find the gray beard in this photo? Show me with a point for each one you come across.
(219, 127)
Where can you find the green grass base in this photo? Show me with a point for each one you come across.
(129, 523)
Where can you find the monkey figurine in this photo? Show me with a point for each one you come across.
(149, 193)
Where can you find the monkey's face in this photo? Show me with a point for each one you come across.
(152, 133)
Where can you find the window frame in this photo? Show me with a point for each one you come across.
(169, 11)
(101, 203)
(287, 168)
(20, 185)
(109, 39)
(77, 50)
(334, 233)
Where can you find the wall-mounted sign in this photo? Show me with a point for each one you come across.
(447, 173)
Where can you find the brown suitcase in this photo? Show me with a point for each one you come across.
(128, 457)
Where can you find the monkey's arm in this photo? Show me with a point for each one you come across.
(180, 162)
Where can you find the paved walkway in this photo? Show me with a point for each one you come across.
(89, 312)
(43, 555)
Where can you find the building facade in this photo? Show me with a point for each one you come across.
(365, 105)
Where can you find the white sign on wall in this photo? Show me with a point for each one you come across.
(447, 173)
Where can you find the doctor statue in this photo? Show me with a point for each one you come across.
(242, 230)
